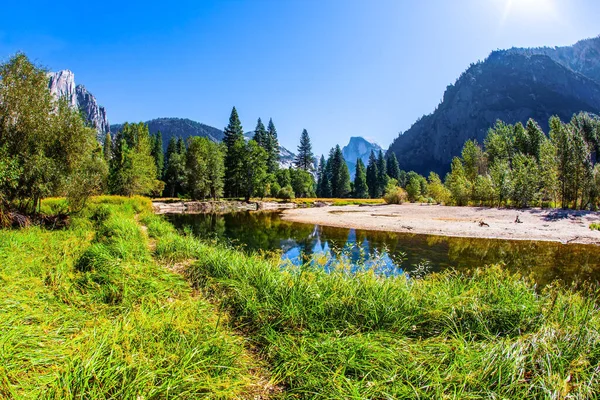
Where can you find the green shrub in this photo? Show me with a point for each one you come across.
(286, 193)
(395, 195)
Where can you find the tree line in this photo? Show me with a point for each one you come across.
(202, 169)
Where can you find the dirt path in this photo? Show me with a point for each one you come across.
(566, 226)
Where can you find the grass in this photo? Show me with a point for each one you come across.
(336, 335)
(86, 312)
(595, 226)
(91, 312)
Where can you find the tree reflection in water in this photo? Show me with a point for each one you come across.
(392, 253)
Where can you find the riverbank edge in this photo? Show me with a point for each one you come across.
(218, 207)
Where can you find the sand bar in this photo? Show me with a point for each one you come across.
(566, 226)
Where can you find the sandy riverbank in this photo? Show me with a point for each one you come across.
(564, 226)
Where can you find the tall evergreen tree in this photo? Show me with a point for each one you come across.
(107, 149)
(261, 136)
(361, 190)
(234, 158)
(340, 177)
(382, 177)
(372, 174)
(254, 167)
(180, 146)
(393, 170)
(321, 176)
(158, 153)
(272, 148)
(305, 157)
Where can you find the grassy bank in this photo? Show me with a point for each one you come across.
(86, 312)
(94, 311)
(330, 336)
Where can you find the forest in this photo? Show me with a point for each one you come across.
(47, 149)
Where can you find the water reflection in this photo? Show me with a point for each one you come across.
(392, 253)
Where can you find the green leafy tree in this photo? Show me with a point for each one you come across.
(303, 183)
(500, 174)
(235, 164)
(204, 169)
(437, 190)
(548, 170)
(305, 157)
(458, 184)
(254, 164)
(133, 169)
(413, 189)
(372, 174)
(45, 139)
(272, 148)
(174, 171)
(525, 180)
(536, 138)
(361, 190)
(473, 159)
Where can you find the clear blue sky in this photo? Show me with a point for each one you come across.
(338, 68)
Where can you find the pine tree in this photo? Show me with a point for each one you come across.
(180, 146)
(361, 190)
(305, 157)
(158, 153)
(261, 135)
(234, 158)
(382, 178)
(340, 176)
(393, 170)
(372, 174)
(107, 150)
(321, 177)
(272, 148)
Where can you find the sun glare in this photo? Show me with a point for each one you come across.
(530, 9)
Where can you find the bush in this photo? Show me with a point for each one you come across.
(395, 195)
(286, 193)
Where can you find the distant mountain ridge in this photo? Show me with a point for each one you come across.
(511, 85)
(62, 84)
(185, 128)
(359, 147)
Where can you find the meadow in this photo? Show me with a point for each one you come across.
(121, 305)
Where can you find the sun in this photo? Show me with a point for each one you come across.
(529, 9)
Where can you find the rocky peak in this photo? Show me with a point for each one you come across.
(62, 84)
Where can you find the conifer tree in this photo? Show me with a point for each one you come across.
(261, 135)
(372, 174)
(340, 176)
(361, 190)
(234, 158)
(393, 170)
(305, 157)
(321, 177)
(107, 149)
(158, 153)
(382, 178)
(272, 148)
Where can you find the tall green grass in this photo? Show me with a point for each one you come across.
(336, 335)
(86, 312)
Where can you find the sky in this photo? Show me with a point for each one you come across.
(338, 68)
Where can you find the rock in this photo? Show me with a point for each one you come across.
(62, 84)
(359, 147)
(322, 204)
(511, 85)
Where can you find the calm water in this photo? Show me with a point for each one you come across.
(393, 253)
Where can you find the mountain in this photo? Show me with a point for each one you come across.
(185, 128)
(511, 85)
(62, 84)
(358, 147)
